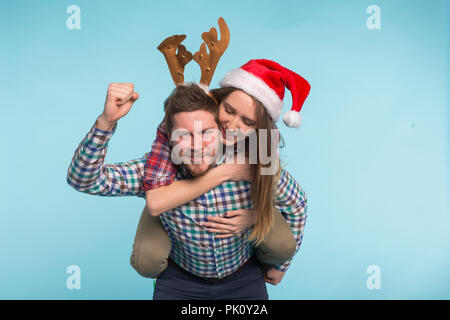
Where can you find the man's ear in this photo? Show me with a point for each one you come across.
(169, 134)
(169, 137)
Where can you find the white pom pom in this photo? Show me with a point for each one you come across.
(292, 119)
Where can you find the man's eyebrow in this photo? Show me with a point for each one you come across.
(186, 131)
(181, 130)
(210, 128)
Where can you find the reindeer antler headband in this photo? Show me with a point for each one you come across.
(178, 57)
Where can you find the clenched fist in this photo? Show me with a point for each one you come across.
(119, 100)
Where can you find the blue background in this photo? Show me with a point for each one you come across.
(372, 153)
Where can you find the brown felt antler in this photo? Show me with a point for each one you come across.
(208, 62)
(175, 60)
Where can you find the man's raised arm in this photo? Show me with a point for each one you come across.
(87, 172)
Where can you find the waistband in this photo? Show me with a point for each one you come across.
(211, 280)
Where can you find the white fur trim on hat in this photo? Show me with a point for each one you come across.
(292, 119)
(255, 87)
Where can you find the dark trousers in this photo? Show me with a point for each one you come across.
(245, 284)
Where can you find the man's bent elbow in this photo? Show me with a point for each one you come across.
(70, 181)
(84, 187)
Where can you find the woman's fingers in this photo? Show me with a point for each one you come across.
(221, 227)
(212, 230)
(222, 236)
(226, 221)
(237, 212)
(234, 222)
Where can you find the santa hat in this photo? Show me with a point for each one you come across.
(266, 80)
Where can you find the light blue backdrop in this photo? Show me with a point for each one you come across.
(372, 153)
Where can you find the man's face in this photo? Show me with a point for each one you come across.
(195, 139)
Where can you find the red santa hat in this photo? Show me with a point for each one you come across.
(266, 80)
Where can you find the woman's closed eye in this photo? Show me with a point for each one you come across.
(245, 120)
(249, 122)
(229, 110)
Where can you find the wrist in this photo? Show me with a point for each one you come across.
(218, 175)
(104, 124)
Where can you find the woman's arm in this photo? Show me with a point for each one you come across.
(179, 192)
(167, 197)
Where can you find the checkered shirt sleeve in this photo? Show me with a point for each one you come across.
(88, 172)
(292, 202)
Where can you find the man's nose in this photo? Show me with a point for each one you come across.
(196, 142)
(200, 141)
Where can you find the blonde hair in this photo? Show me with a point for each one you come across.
(264, 186)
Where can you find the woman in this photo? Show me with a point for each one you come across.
(250, 99)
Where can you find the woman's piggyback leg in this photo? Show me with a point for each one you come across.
(279, 245)
(151, 246)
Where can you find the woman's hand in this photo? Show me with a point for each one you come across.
(233, 223)
(273, 276)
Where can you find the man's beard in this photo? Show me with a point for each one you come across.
(209, 155)
(197, 173)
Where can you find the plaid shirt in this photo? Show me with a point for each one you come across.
(193, 247)
(159, 168)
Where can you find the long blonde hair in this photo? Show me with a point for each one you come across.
(263, 190)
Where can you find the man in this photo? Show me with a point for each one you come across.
(202, 267)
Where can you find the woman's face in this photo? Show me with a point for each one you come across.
(237, 114)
